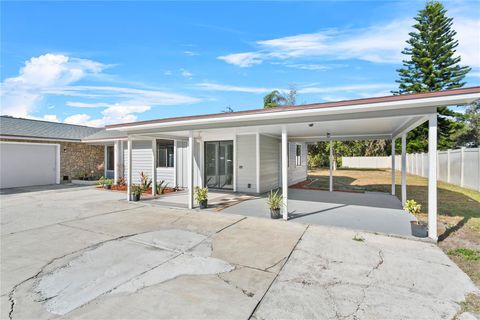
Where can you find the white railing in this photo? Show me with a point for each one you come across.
(460, 167)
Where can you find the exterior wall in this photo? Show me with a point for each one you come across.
(296, 173)
(246, 163)
(269, 163)
(77, 159)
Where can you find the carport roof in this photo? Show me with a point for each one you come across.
(11, 127)
(468, 94)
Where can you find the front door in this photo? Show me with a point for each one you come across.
(219, 164)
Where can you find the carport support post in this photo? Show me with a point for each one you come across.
(432, 176)
(285, 172)
(404, 169)
(190, 170)
(393, 166)
(331, 167)
(129, 170)
(116, 161)
(154, 166)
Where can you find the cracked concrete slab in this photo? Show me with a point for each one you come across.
(144, 262)
(23, 255)
(268, 243)
(329, 275)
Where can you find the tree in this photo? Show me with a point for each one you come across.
(432, 66)
(276, 98)
(469, 136)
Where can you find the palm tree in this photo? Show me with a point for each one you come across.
(274, 99)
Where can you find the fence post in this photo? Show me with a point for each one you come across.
(462, 166)
(448, 165)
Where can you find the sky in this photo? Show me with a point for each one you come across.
(99, 63)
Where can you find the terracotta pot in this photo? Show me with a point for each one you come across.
(275, 213)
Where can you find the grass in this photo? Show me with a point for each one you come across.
(458, 208)
(358, 238)
(465, 253)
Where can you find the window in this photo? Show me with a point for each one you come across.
(110, 158)
(298, 155)
(165, 154)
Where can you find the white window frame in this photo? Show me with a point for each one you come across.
(159, 146)
(298, 158)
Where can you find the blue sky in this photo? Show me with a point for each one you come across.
(97, 63)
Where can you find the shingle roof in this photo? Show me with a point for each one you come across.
(28, 128)
(104, 134)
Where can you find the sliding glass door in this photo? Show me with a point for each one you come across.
(219, 164)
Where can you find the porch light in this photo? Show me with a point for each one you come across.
(310, 125)
(328, 135)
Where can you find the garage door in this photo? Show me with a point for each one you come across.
(27, 164)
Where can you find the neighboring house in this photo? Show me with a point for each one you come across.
(34, 152)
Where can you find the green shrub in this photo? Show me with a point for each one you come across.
(161, 187)
(412, 206)
(201, 194)
(274, 200)
(108, 182)
(137, 189)
(101, 181)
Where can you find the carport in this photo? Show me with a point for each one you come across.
(389, 117)
(370, 211)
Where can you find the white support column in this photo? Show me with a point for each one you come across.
(116, 161)
(432, 177)
(175, 163)
(154, 167)
(105, 155)
(393, 167)
(331, 167)
(129, 169)
(190, 170)
(235, 165)
(257, 165)
(285, 172)
(404, 169)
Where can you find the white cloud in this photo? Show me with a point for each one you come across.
(381, 43)
(358, 88)
(229, 88)
(243, 60)
(190, 53)
(55, 74)
(186, 74)
(168, 73)
(20, 95)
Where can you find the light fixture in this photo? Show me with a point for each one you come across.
(310, 125)
(328, 135)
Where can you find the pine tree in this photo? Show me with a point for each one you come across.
(432, 66)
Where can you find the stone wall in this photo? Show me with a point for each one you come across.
(77, 159)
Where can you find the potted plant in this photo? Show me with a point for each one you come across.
(101, 181)
(107, 183)
(419, 228)
(274, 201)
(201, 196)
(136, 192)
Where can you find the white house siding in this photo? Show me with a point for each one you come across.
(269, 163)
(141, 159)
(246, 163)
(182, 157)
(297, 173)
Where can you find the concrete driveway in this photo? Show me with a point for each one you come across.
(87, 254)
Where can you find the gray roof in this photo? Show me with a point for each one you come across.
(28, 128)
(104, 134)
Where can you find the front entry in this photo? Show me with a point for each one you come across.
(219, 164)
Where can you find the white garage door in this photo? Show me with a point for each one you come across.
(28, 164)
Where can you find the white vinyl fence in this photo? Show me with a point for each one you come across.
(460, 167)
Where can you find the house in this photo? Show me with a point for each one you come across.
(258, 150)
(34, 152)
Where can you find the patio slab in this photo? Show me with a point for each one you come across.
(375, 212)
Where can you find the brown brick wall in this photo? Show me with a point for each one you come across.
(76, 158)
